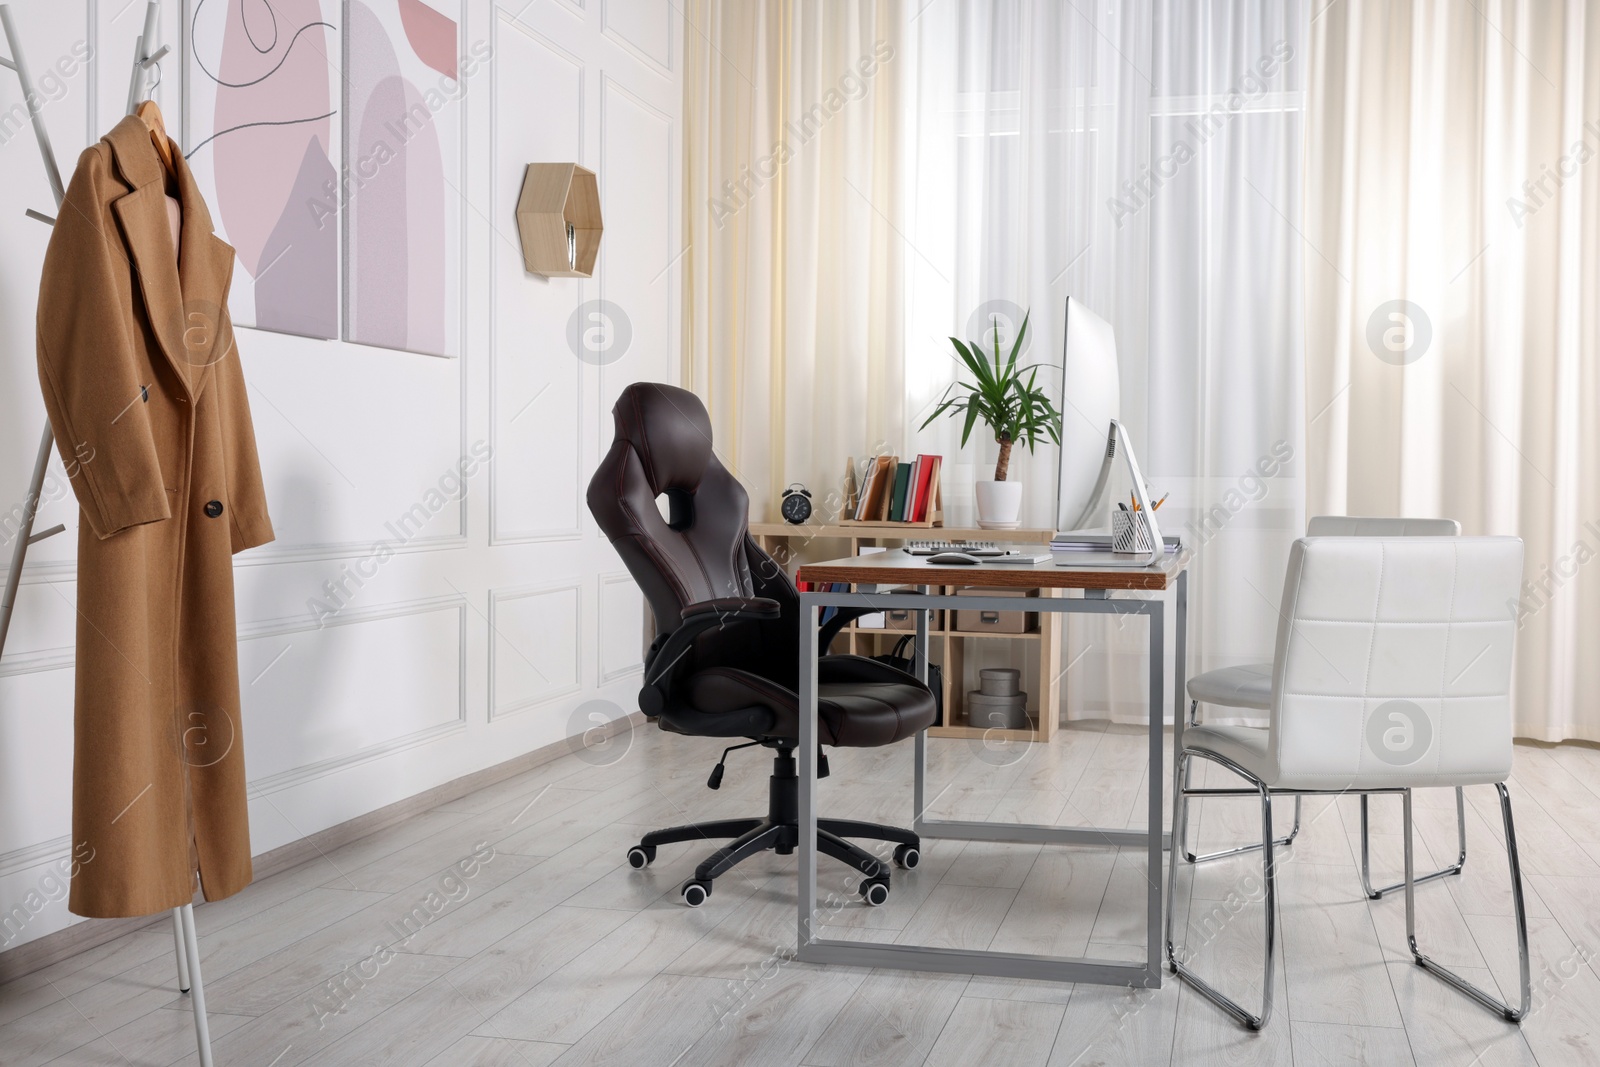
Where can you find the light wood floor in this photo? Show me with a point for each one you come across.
(555, 952)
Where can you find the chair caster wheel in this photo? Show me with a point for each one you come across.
(641, 856)
(874, 892)
(695, 893)
(907, 857)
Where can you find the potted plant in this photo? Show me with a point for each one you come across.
(1012, 406)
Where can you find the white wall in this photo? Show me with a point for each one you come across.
(481, 638)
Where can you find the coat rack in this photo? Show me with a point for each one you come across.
(183, 931)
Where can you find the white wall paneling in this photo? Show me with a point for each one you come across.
(394, 637)
(537, 383)
(621, 627)
(307, 713)
(636, 137)
(536, 646)
(643, 27)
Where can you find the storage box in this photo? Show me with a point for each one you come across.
(998, 713)
(996, 622)
(906, 619)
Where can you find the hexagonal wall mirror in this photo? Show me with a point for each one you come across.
(558, 216)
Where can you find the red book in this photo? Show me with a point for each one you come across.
(925, 468)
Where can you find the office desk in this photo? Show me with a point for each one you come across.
(898, 568)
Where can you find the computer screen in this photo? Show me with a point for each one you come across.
(1090, 397)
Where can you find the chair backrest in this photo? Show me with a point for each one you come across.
(702, 550)
(1357, 526)
(1393, 663)
(663, 447)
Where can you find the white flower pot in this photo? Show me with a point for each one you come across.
(999, 505)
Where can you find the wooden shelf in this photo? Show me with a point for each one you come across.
(557, 197)
(961, 731)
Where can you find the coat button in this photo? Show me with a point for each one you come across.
(213, 509)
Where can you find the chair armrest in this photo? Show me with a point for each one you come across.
(698, 618)
(736, 607)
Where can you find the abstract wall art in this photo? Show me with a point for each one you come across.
(261, 135)
(401, 199)
(327, 138)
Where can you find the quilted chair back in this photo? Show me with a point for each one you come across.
(1393, 662)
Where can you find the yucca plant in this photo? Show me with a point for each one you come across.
(1016, 409)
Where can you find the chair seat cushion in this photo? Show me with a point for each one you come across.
(1247, 686)
(861, 703)
(1244, 745)
(1248, 747)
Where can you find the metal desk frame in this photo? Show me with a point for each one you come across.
(1145, 975)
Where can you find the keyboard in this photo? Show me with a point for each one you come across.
(971, 548)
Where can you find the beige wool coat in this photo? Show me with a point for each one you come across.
(145, 392)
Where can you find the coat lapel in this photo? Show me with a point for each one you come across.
(186, 296)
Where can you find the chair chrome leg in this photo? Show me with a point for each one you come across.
(1181, 830)
(1269, 877)
(1518, 906)
(1281, 842)
(1443, 872)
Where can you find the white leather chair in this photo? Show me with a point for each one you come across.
(1249, 687)
(1392, 672)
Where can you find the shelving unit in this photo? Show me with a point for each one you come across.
(558, 218)
(1039, 649)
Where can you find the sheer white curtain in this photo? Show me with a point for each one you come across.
(792, 311)
(1143, 157)
(1452, 166)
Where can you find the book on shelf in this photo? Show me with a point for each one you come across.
(902, 481)
(831, 610)
(889, 491)
(868, 486)
(875, 489)
(927, 481)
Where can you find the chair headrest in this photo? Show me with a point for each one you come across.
(670, 431)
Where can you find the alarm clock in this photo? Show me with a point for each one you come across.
(796, 506)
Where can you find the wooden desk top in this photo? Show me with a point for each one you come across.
(899, 568)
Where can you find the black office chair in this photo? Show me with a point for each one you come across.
(726, 661)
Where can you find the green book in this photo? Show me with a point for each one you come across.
(897, 504)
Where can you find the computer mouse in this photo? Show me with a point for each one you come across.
(954, 557)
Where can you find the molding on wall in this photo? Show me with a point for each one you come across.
(275, 783)
(336, 550)
(498, 596)
(45, 659)
(656, 64)
(30, 856)
(79, 937)
(307, 772)
(497, 537)
(607, 677)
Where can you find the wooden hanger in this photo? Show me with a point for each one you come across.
(149, 113)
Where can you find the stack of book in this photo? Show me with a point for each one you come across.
(892, 491)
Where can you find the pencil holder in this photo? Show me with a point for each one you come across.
(1127, 533)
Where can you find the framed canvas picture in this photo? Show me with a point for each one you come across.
(326, 137)
(402, 154)
(262, 136)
